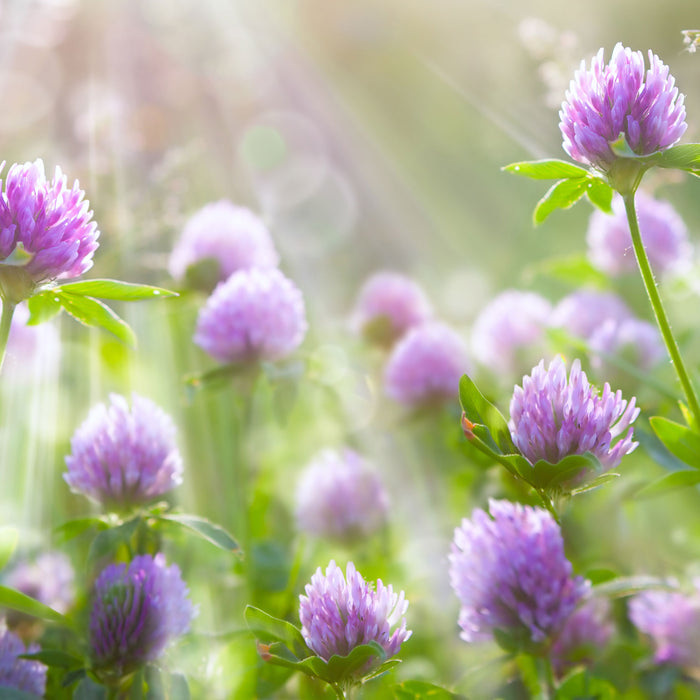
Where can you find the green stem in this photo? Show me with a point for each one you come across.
(659, 311)
(338, 691)
(8, 310)
(546, 674)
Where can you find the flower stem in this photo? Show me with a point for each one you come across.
(338, 691)
(546, 674)
(659, 311)
(8, 310)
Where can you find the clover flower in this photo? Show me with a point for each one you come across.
(21, 674)
(48, 578)
(50, 221)
(388, 304)
(664, 235)
(33, 352)
(552, 417)
(619, 98)
(511, 575)
(340, 497)
(137, 610)
(637, 341)
(234, 237)
(256, 314)
(509, 333)
(584, 311)
(672, 620)
(123, 457)
(339, 613)
(426, 365)
(585, 633)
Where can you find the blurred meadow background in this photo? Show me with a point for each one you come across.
(368, 135)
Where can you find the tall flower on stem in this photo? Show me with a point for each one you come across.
(46, 233)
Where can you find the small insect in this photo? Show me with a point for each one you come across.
(691, 39)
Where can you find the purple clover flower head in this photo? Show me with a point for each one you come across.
(664, 234)
(49, 220)
(635, 340)
(340, 497)
(388, 304)
(21, 674)
(508, 335)
(552, 417)
(48, 578)
(511, 575)
(123, 457)
(137, 611)
(672, 620)
(233, 236)
(585, 633)
(426, 365)
(619, 98)
(339, 613)
(256, 314)
(583, 312)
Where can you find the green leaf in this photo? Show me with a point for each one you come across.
(621, 148)
(72, 528)
(584, 686)
(42, 307)
(92, 312)
(55, 658)
(108, 541)
(684, 157)
(9, 537)
(576, 270)
(205, 529)
(678, 439)
(595, 483)
(551, 169)
(670, 482)
(480, 411)
(7, 693)
(342, 667)
(115, 290)
(629, 585)
(562, 195)
(547, 475)
(89, 690)
(420, 690)
(267, 628)
(600, 194)
(15, 600)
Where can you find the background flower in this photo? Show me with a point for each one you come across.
(51, 221)
(137, 611)
(339, 496)
(388, 304)
(511, 575)
(234, 237)
(20, 674)
(256, 314)
(339, 613)
(426, 365)
(583, 312)
(664, 235)
(552, 417)
(122, 457)
(637, 342)
(618, 98)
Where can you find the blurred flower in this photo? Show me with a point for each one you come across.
(583, 312)
(638, 342)
(388, 304)
(136, 611)
(339, 613)
(672, 620)
(511, 576)
(123, 457)
(664, 234)
(256, 314)
(50, 221)
(585, 633)
(552, 417)
(48, 578)
(426, 365)
(234, 237)
(339, 497)
(32, 351)
(609, 100)
(21, 674)
(508, 335)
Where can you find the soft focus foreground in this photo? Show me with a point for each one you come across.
(321, 184)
